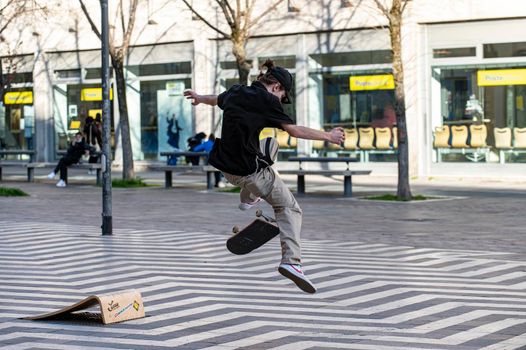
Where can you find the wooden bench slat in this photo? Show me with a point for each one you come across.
(347, 177)
(323, 159)
(325, 172)
(185, 169)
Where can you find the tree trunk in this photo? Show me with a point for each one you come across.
(395, 21)
(1, 82)
(243, 67)
(128, 171)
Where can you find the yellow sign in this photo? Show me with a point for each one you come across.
(93, 94)
(18, 98)
(371, 82)
(93, 113)
(498, 77)
(74, 124)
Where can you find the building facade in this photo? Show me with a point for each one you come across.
(464, 62)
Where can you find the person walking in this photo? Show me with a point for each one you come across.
(246, 161)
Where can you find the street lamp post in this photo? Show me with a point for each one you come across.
(106, 133)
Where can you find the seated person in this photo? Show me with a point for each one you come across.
(76, 150)
(207, 147)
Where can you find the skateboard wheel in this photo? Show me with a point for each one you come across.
(235, 229)
(259, 213)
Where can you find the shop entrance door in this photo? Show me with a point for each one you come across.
(18, 127)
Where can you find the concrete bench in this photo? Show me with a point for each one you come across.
(347, 178)
(16, 152)
(186, 169)
(89, 166)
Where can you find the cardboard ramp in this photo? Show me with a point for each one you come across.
(117, 307)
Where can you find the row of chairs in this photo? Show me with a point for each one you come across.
(474, 139)
(459, 136)
(361, 140)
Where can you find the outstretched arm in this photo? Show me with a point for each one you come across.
(336, 135)
(197, 99)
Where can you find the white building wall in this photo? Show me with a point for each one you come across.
(321, 26)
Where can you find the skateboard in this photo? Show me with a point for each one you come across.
(253, 236)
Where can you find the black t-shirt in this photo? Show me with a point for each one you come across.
(247, 111)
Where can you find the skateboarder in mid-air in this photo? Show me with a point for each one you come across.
(246, 162)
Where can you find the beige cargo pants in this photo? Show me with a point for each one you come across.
(268, 185)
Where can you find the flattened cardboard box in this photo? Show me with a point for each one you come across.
(116, 307)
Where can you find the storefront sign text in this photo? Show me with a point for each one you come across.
(18, 98)
(499, 77)
(93, 94)
(371, 82)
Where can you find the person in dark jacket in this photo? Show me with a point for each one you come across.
(93, 135)
(76, 150)
(246, 161)
(207, 147)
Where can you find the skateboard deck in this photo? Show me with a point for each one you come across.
(253, 236)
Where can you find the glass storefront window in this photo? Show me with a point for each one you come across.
(161, 69)
(505, 50)
(288, 62)
(455, 52)
(166, 117)
(351, 109)
(73, 104)
(17, 125)
(490, 97)
(457, 86)
(353, 58)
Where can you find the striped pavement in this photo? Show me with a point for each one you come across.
(199, 296)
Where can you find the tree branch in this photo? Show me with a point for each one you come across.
(121, 17)
(227, 12)
(382, 8)
(92, 24)
(405, 2)
(205, 21)
(230, 9)
(131, 24)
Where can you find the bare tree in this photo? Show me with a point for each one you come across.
(118, 51)
(241, 21)
(393, 11)
(12, 11)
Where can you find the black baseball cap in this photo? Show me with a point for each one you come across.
(285, 79)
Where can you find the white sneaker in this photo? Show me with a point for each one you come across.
(221, 184)
(61, 183)
(51, 175)
(295, 274)
(247, 206)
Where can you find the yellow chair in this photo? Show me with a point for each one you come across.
(502, 138)
(519, 137)
(293, 142)
(395, 137)
(441, 137)
(366, 138)
(459, 136)
(479, 134)
(383, 138)
(283, 138)
(351, 139)
(267, 132)
(502, 142)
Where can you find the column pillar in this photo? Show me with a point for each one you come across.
(42, 104)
